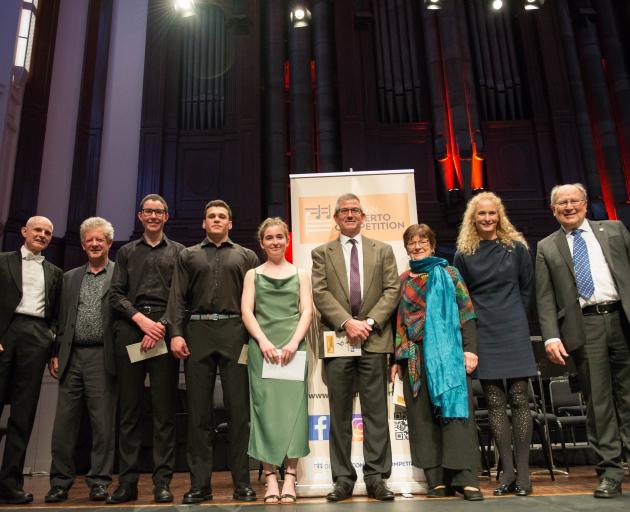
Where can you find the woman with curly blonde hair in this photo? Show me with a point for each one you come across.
(493, 258)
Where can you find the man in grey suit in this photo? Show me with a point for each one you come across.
(583, 296)
(30, 289)
(356, 288)
(83, 361)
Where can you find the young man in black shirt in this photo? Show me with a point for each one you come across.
(208, 282)
(139, 294)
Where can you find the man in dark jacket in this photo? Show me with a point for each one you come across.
(83, 361)
(29, 302)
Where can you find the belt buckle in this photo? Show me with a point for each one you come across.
(147, 310)
(602, 311)
(213, 316)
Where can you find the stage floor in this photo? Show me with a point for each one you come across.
(567, 493)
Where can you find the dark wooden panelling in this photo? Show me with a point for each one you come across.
(191, 167)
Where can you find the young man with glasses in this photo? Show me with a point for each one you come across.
(139, 295)
(355, 288)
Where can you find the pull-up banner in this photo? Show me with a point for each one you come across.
(389, 201)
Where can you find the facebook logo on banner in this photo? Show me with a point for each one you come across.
(318, 427)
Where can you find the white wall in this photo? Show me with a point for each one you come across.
(9, 19)
(63, 107)
(123, 107)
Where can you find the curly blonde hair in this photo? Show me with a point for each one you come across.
(468, 238)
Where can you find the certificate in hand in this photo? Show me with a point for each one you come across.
(339, 346)
(294, 370)
(398, 397)
(135, 354)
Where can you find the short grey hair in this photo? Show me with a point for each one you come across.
(579, 186)
(347, 197)
(96, 223)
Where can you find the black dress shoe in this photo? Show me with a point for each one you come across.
(162, 494)
(56, 494)
(473, 495)
(608, 488)
(440, 492)
(197, 496)
(504, 489)
(98, 492)
(244, 494)
(521, 490)
(15, 497)
(123, 494)
(340, 492)
(379, 491)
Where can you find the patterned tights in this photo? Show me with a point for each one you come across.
(520, 431)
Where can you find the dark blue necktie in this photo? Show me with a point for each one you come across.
(582, 265)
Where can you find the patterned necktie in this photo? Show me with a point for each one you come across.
(582, 265)
(355, 279)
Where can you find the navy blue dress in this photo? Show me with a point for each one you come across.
(500, 279)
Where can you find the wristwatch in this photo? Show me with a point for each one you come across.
(370, 322)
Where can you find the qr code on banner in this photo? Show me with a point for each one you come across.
(401, 432)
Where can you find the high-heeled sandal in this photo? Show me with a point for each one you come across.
(285, 498)
(271, 499)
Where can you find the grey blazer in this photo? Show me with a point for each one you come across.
(381, 289)
(69, 303)
(557, 298)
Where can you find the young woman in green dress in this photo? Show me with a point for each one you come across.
(277, 309)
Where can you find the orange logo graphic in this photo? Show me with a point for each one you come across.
(386, 217)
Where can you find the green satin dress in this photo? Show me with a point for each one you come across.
(278, 408)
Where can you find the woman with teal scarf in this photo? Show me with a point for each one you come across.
(435, 352)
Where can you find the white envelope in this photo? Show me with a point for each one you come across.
(338, 346)
(242, 359)
(135, 354)
(292, 371)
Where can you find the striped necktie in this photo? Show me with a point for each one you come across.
(582, 265)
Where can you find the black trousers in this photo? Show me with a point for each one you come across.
(603, 366)
(85, 381)
(371, 371)
(163, 376)
(26, 345)
(448, 452)
(209, 351)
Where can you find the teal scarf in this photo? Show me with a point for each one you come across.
(443, 352)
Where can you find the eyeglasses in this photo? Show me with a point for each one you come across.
(420, 243)
(345, 211)
(157, 211)
(570, 202)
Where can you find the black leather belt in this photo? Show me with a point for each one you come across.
(601, 309)
(147, 309)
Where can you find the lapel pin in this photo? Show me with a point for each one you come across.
(601, 229)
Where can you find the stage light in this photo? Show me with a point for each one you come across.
(25, 35)
(533, 5)
(300, 16)
(497, 5)
(433, 5)
(185, 8)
